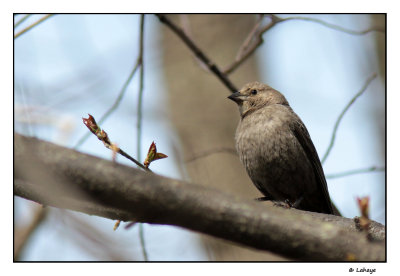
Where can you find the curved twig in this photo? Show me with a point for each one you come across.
(335, 128)
(256, 34)
(210, 152)
(358, 171)
(199, 53)
(21, 20)
(32, 25)
(333, 26)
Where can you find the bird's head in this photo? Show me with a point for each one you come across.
(256, 95)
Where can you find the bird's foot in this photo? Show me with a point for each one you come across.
(285, 204)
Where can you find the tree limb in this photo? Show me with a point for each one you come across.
(64, 178)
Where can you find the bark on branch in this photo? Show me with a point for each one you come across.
(64, 178)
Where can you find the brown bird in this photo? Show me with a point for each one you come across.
(277, 151)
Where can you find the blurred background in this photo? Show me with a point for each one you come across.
(72, 65)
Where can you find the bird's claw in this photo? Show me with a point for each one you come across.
(288, 204)
(285, 204)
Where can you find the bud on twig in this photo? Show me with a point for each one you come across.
(91, 124)
(153, 155)
(96, 130)
(364, 221)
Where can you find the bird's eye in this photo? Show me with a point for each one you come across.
(253, 92)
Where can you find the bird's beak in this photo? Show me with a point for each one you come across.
(237, 97)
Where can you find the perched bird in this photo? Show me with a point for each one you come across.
(277, 151)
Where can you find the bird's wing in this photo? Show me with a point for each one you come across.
(302, 135)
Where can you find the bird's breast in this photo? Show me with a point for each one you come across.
(265, 144)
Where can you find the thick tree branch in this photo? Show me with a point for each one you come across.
(64, 178)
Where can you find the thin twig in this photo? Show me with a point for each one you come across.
(333, 26)
(139, 125)
(249, 39)
(199, 53)
(140, 97)
(333, 137)
(21, 20)
(243, 54)
(116, 103)
(142, 242)
(91, 239)
(246, 50)
(103, 136)
(123, 153)
(32, 25)
(210, 152)
(358, 171)
(184, 19)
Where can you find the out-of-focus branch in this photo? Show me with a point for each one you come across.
(139, 123)
(25, 17)
(141, 84)
(255, 37)
(139, 63)
(115, 104)
(335, 128)
(352, 172)
(22, 234)
(185, 23)
(198, 53)
(330, 25)
(211, 152)
(64, 178)
(32, 25)
(248, 48)
(91, 239)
